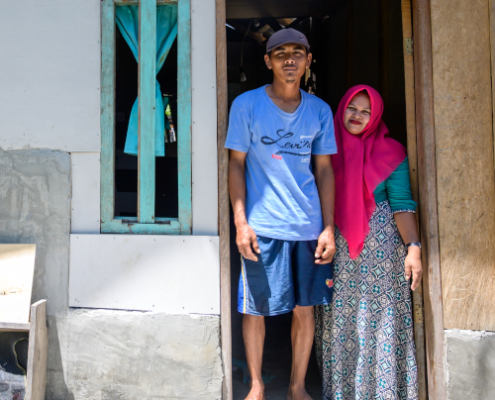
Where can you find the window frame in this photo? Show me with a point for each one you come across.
(145, 222)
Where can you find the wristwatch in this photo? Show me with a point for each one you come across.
(413, 244)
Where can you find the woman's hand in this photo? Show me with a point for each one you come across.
(414, 266)
(406, 222)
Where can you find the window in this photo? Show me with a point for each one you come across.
(145, 219)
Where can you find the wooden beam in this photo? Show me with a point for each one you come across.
(14, 326)
(146, 111)
(412, 155)
(223, 200)
(184, 115)
(107, 179)
(37, 352)
(425, 124)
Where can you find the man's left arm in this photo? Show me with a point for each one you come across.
(325, 182)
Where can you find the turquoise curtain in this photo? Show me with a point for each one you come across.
(166, 32)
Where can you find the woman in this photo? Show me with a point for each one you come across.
(364, 339)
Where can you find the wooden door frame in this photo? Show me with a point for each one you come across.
(223, 199)
(426, 164)
(428, 200)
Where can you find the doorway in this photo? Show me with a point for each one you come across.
(353, 42)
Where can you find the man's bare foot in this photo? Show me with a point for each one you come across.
(298, 394)
(256, 393)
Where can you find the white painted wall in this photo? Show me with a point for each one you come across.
(171, 274)
(85, 201)
(204, 118)
(50, 75)
(50, 59)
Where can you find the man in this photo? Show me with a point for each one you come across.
(283, 213)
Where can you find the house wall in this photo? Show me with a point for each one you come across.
(49, 189)
(463, 104)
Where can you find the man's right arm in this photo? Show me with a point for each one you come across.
(246, 238)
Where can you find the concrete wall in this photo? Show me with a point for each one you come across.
(471, 364)
(133, 355)
(49, 152)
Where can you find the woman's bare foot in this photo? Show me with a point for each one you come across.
(256, 393)
(298, 394)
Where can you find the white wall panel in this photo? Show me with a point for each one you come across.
(85, 202)
(171, 274)
(204, 118)
(50, 75)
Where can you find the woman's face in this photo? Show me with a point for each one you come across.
(358, 113)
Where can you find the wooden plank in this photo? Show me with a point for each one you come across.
(385, 58)
(184, 115)
(16, 284)
(412, 155)
(37, 352)
(465, 174)
(223, 199)
(425, 125)
(107, 181)
(15, 326)
(146, 111)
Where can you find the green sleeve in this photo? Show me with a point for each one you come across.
(398, 187)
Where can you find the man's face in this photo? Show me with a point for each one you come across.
(288, 62)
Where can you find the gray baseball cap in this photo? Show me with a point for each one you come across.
(285, 36)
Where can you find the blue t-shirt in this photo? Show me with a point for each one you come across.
(282, 200)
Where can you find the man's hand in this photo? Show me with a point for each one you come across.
(247, 242)
(413, 264)
(326, 247)
(246, 238)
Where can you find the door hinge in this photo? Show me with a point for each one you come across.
(408, 47)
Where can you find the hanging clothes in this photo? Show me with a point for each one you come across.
(166, 32)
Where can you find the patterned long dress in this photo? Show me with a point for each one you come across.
(364, 338)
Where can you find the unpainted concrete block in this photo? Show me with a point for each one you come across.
(35, 189)
(128, 355)
(470, 364)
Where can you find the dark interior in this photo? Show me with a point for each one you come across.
(126, 173)
(353, 42)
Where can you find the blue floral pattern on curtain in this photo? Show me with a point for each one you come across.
(166, 32)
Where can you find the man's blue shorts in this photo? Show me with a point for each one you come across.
(284, 276)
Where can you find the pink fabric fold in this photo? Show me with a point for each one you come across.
(361, 164)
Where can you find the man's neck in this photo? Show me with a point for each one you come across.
(285, 91)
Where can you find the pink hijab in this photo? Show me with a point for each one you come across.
(361, 164)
